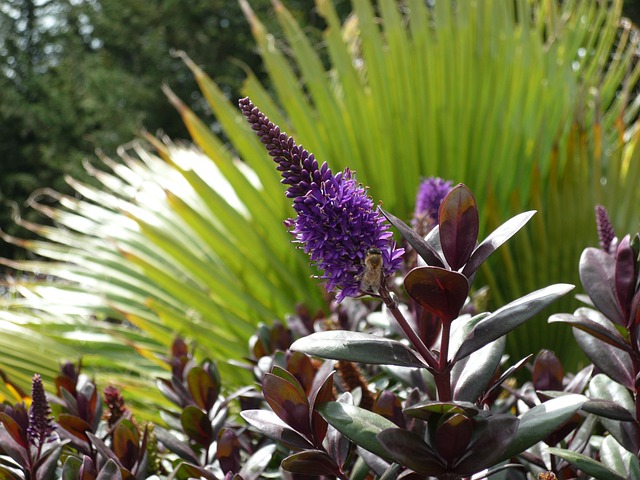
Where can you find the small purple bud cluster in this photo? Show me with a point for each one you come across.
(606, 235)
(40, 423)
(431, 192)
(336, 223)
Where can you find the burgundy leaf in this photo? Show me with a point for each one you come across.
(389, 406)
(408, 449)
(597, 274)
(547, 371)
(228, 451)
(309, 462)
(288, 401)
(625, 277)
(612, 361)
(428, 254)
(595, 325)
(204, 386)
(126, 443)
(17, 433)
(440, 291)
(197, 426)
(459, 225)
(273, 427)
(452, 437)
(302, 369)
(323, 394)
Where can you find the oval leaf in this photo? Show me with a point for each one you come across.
(617, 458)
(512, 315)
(611, 360)
(542, 420)
(357, 347)
(408, 449)
(357, 424)
(126, 443)
(587, 464)
(197, 426)
(314, 462)
(440, 291)
(288, 402)
(602, 331)
(469, 383)
(459, 225)
(203, 387)
(597, 274)
(271, 425)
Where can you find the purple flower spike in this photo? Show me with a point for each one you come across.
(40, 426)
(431, 192)
(606, 235)
(337, 223)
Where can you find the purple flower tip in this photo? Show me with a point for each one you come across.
(336, 221)
(606, 235)
(40, 426)
(431, 192)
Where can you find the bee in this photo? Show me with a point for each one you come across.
(373, 276)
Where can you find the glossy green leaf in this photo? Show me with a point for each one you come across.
(459, 225)
(357, 424)
(439, 291)
(621, 461)
(357, 347)
(541, 420)
(507, 318)
(587, 464)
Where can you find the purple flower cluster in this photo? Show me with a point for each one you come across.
(431, 192)
(40, 426)
(336, 223)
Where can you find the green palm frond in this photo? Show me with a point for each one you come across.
(528, 102)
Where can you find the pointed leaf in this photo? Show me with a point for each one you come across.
(416, 241)
(110, 471)
(256, 463)
(440, 291)
(178, 447)
(314, 462)
(15, 431)
(288, 401)
(273, 427)
(597, 274)
(617, 458)
(459, 225)
(587, 464)
(357, 424)
(203, 387)
(126, 443)
(357, 347)
(605, 331)
(495, 239)
(625, 276)
(611, 360)
(469, 383)
(512, 315)
(542, 420)
(408, 449)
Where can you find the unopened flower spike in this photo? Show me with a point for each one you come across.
(606, 235)
(431, 192)
(40, 423)
(336, 224)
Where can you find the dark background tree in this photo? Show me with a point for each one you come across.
(76, 75)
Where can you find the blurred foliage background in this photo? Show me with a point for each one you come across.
(532, 111)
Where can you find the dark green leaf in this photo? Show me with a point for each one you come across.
(459, 225)
(468, 383)
(618, 459)
(357, 347)
(509, 317)
(495, 239)
(357, 424)
(440, 291)
(587, 464)
(541, 420)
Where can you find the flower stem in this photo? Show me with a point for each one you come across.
(413, 337)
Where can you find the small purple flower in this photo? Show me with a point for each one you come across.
(606, 235)
(336, 223)
(40, 426)
(431, 192)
